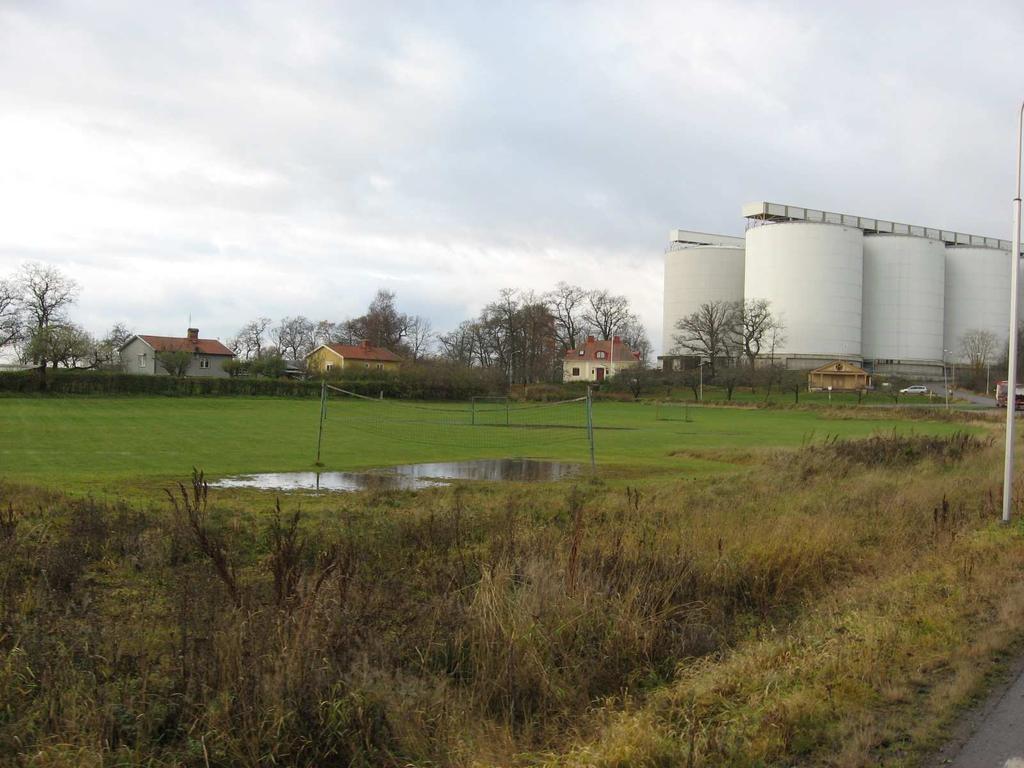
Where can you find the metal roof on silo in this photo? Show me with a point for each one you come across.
(773, 212)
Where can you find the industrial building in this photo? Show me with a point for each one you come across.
(895, 298)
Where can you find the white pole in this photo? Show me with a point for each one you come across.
(700, 366)
(945, 381)
(1011, 372)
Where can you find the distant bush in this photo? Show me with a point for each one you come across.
(416, 383)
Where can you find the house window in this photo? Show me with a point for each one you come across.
(380, 366)
(367, 365)
(204, 362)
(329, 366)
(142, 360)
(575, 371)
(601, 355)
(582, 353)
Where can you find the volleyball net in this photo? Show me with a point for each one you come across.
(486, 423)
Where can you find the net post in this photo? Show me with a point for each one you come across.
(472, 407)
(590, 429)
(506, 411)
(323, 412)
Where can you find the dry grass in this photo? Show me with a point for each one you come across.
(778, 616)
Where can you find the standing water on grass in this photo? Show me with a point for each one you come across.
(406, 477)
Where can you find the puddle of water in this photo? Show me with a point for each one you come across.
(406, 477)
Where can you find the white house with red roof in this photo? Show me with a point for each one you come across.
(140, 354)
(598, 360)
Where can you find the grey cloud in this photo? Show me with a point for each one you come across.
(302, 155)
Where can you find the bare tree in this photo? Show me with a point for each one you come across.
(753, 324)
(251, 338)
(294, 336)
(421, 337)
(635, 336)
(10, 313)
(45, 293)
(106, 350)
(459, 344)
(977, 346)
(708, 331)
(606, 314)
(383, 325)
(567, 304)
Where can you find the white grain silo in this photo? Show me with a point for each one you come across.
(977, 296)
(904, 290)
(812, 274)
(699, 269)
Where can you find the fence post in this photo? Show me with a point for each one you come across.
(590, 429)
(323, 413)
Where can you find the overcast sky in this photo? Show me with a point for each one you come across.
(229, 160)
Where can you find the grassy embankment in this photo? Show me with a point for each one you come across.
(825, 605)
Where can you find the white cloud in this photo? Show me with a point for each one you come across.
(237, 159)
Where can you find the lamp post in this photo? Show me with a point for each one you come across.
(1011, 368)
(700, 368)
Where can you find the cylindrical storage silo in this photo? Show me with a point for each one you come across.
(695, 275)
(977, 297)
(904, 290)
(812, 274)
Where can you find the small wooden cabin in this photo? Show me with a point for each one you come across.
(839, 376)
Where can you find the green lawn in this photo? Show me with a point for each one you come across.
(94, 443)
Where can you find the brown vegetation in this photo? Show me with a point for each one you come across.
(780, 616)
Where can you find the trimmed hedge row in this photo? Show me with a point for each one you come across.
(410, 385)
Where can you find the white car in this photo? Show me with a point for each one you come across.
(917, 389)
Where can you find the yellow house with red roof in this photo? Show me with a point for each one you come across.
(598, 360)
(328, 358)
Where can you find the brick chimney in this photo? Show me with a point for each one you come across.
(193, 334)
(591, 339)
(365, 344)
(616, 339)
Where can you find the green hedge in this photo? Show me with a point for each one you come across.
(415, 385)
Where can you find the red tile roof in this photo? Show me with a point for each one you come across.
(591, 347)
(365, 352)
(177, 344)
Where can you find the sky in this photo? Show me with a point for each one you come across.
(228, 160)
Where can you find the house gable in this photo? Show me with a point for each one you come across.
(840, 367)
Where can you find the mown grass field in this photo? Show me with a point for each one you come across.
(99, 443)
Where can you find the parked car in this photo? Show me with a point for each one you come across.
(916, 389)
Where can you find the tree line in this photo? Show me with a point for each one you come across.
(34, 320)
(520, 334)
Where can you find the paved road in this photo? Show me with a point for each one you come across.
(963, 394)
(997, 740)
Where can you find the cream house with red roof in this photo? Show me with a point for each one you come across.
(140, 354)
(598, 360)
(328, 358)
